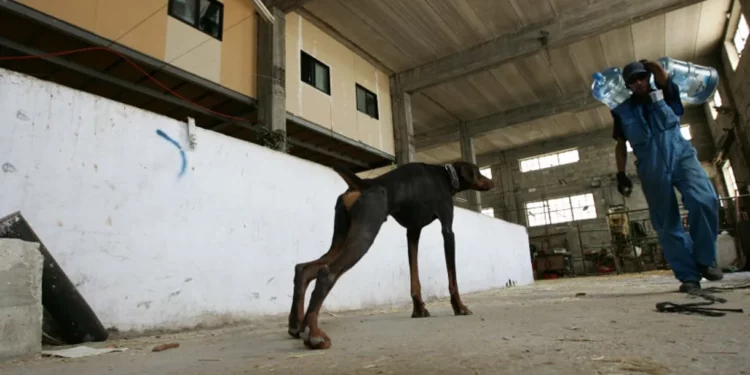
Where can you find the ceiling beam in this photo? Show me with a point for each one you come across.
(520, 115)
(287, 6)
(694, 116)
(574, 25)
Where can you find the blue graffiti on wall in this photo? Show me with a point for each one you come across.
(182, 152)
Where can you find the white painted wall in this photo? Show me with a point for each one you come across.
(149, 249)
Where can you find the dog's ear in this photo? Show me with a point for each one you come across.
(467, 172)
(470, 177)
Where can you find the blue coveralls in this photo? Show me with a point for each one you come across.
(664, 160)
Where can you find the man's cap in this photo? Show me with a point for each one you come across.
(632, 69)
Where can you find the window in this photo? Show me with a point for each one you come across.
(716, 104)
(204, 15)
(740, 36)
(684, 130)
(315, 73)
(549, 160)
(560, 210)
(726, 170)
(367, 102)
(486, 172)
(489, 211)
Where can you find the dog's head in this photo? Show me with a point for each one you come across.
(469, 177)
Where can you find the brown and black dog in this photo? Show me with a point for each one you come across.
(414, 194)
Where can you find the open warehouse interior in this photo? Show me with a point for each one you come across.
(220, 186)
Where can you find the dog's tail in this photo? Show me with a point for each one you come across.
(350, 178)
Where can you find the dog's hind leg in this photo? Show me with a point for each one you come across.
(412, 237)
(304, 273)
(449, 245)
(368, 212)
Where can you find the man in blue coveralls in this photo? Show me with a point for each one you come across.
(650, 120)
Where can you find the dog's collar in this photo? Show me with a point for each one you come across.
(453, 175)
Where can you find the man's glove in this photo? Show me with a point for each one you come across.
(624, 184)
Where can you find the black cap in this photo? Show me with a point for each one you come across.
(634, 68)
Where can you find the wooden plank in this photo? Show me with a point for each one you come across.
(428, 114)
(533, 11)
(649, 38)
(681, 32)
(565, 72)
(497, 16)
(574, 25)
(617, 46)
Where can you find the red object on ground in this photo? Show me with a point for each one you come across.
(550, 276)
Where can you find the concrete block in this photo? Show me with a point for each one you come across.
(20, 298)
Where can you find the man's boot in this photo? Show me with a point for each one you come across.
(691, 287)
(711, 273)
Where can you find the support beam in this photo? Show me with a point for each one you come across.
(16, 7)
(468, 154)
(505, 119)
(272, 74)
(403, 125)
(692, 115)
(106, 78)
(574, 25)
(510, 205)
(326, 152)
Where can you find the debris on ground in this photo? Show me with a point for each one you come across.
(80, 351)
(163, 347)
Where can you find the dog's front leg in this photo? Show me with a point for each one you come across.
(449, 243)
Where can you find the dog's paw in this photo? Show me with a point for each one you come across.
(420, 313)
(462, 310)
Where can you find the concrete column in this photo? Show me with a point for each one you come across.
(468, 154)
(509, 192)
(271, 67)
(403, 126)
(20, 299)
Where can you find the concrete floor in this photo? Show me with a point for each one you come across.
(539, 329)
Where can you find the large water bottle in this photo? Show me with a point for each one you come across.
(609, 87)
(697, 83)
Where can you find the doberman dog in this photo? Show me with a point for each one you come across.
(415, 194)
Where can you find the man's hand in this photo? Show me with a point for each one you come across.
(660, 75)
(624, 184)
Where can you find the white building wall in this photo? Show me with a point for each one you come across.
(149, 248)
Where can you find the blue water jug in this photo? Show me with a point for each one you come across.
(609, 87)
(697, 83)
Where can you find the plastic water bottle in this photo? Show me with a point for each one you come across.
(697, 83)
(609, 87)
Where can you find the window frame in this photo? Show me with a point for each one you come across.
(306, 56)
(487, 172)
(195, 24)
(730, 182)
(357, 88)
(538, 159)
(736, 34)
(543, 207)
(488, 211)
